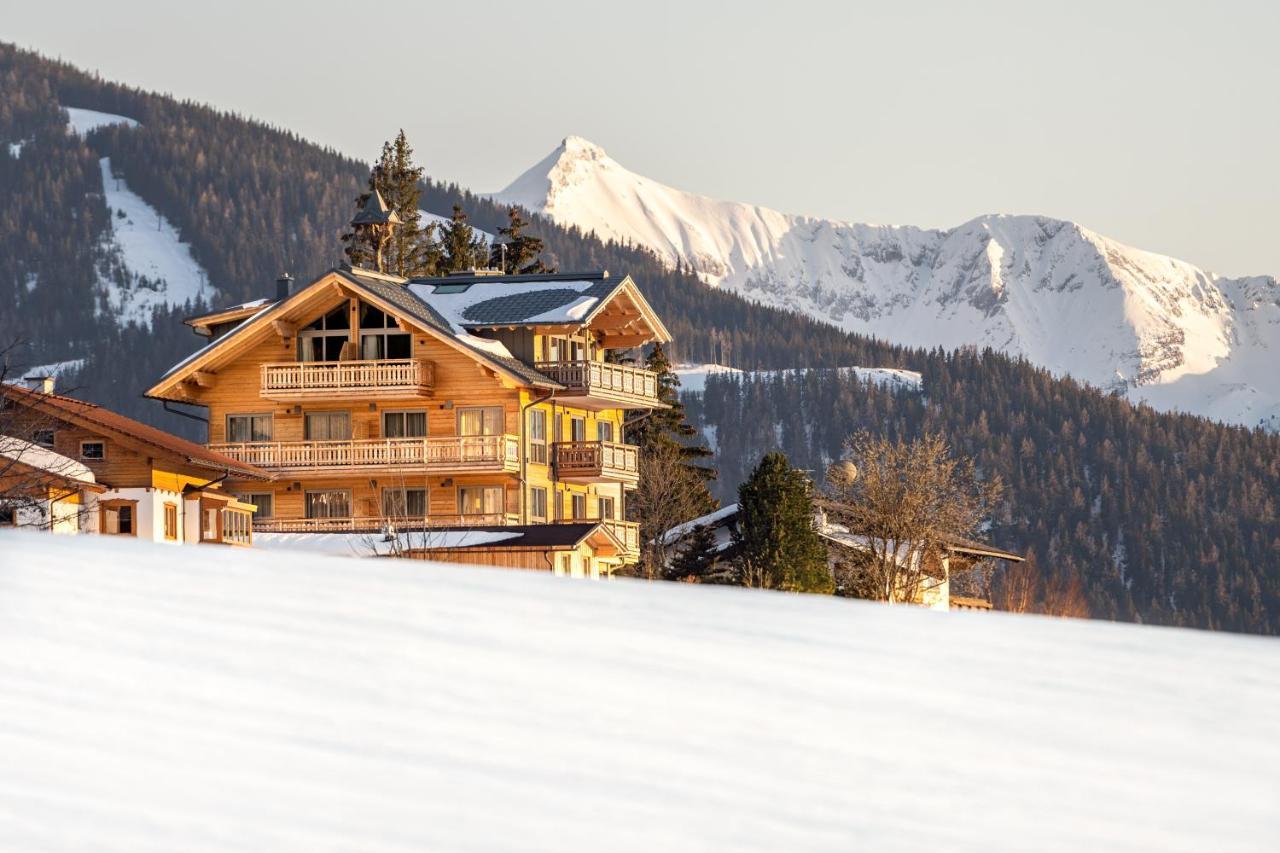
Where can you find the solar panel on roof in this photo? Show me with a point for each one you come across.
(451, 288)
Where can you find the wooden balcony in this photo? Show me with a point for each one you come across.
(599, 385)
(626, 532)
(398, 379)
(376, 524)
(597, 462)
(483, 454)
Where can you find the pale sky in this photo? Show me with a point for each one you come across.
(1156, 124)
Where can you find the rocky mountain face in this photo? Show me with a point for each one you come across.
(1151, 327)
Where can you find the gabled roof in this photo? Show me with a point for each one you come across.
(226, 315)
(94, 417)
(42, 459)
(450, 308)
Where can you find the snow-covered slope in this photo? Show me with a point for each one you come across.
(146, 262)
(81, 121)
(246, 700)
(693, 377)
(1153, 327)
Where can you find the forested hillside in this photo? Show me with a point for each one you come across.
(1170, 518)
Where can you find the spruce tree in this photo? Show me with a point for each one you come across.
(696, 560)
(672, 425)
(777, 546)
(412, 249)
(517, 252)
(462, 248)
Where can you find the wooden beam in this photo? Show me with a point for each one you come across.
(203, 378)
(625, 341)
(284, 328)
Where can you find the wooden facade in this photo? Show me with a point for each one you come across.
(446, 434)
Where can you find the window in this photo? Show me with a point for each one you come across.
(606, 508)
(404, 503)
(264, 501)
(249, 428)
(171, 522)
(604, 430)
(566, 349)
(404, 424)
(8, 516)
(42, 437)
(93, 451)
(579, 506)
(577, 429)
(329, 503)
(328, 426)
(480, 500)
(486, 421)
(538, 503)
(323, 340)
(237, 526)
(380, 337)
(538, 438)
(119, 518)
(209, 524)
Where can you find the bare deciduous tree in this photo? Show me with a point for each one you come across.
(667, 496)
(1016, 587)
(905, 499)
(1064, 596)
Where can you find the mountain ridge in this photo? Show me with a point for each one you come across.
(1154, 328)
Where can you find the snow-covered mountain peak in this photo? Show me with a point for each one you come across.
(1153, 327)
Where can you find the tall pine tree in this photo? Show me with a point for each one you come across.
(516, 252)
(777, 546)
(412, 249)
(462, 248)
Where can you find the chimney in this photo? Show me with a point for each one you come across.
(40, 384)
(284, 286)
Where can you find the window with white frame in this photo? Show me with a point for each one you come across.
(604, 430)
(538, 436)
(579, 503)
(538, 503)
(607, 508)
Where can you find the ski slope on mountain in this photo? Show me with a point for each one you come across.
(202, 698)
(1155, 328)
(147, 263)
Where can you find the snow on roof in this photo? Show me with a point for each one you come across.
(375, 543)
(468, 308)
(44, 459)
(54, 370)
(682, 530)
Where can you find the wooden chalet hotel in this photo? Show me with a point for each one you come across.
(478, 410)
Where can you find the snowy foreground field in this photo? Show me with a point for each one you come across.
(194, 699)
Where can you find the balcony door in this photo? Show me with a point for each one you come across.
(480, 421)
(328, 426)
(380, 337)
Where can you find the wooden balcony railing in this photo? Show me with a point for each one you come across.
(596, 461)
(443, 454)
(626, 532)
(598, 379)
(376, 524)
(314, 379)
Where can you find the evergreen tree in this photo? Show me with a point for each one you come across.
(412, 249)
(696, 560)
(777, 546)
(462, 248)
(517, 252)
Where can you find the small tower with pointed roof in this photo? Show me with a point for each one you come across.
(378, 221)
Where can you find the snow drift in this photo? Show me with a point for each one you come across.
(201, 698)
